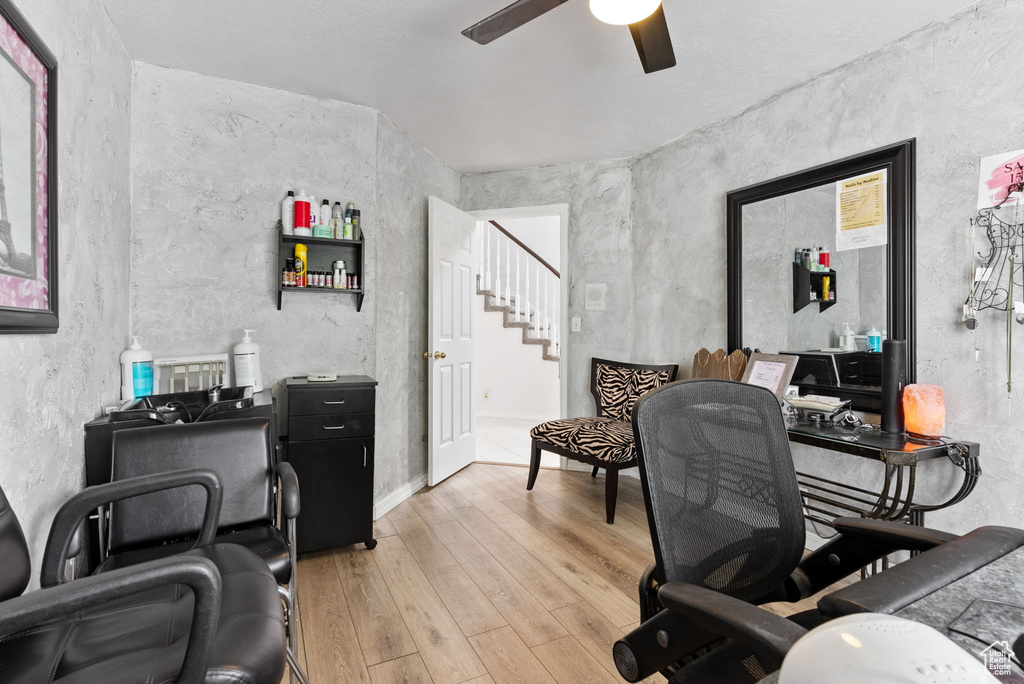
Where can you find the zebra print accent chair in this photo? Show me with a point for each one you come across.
(607, 440)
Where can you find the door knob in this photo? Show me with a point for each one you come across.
(439, 355)
(427, 355)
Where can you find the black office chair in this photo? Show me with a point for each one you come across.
(210, 615)
(166, 523)
(726, 519)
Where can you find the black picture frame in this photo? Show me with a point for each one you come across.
(40, 321)
(899, 161)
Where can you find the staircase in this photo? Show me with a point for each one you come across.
(520, 285)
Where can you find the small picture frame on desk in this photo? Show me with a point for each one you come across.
(771, 371)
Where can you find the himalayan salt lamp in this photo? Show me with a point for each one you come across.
(924, 408)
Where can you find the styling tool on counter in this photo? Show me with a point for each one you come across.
(322, 377)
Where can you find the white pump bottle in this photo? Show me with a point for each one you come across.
(136, 371)
(247, 363)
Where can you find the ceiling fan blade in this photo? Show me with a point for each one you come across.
(653, 42)
(509, 19)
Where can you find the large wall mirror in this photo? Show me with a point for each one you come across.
(821, 265)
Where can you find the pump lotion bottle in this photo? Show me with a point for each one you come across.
(247, 363)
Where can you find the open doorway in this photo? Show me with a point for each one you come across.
(520, 316)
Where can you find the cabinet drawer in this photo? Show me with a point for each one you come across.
(330, 400)
(342, 426)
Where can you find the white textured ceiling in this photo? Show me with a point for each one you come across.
(563, 88)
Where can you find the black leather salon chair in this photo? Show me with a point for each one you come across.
(166, 523)
(726, 520)
(209, 615)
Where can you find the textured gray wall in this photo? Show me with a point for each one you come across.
(407, 175)
(212, 160)
(50, 385)
(948, 85)
(598, 195)
(211, 163)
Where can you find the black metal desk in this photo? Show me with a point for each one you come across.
(898, 454)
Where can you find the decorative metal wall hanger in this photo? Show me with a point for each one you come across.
(997, 273)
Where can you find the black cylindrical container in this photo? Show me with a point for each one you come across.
(894, 379)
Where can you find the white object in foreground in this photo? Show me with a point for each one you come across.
(879, 649)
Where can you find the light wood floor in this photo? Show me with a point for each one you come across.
(478, 580)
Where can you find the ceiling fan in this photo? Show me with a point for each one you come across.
(646, 20)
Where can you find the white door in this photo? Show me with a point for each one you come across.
(452, 355)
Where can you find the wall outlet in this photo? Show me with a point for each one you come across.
(577, 324)
(596, 295)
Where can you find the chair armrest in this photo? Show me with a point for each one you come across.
(289, 490)
(89, 499)
(199, 574)
(899, 586)
(764, 632)
(860, 542)
(894, 535)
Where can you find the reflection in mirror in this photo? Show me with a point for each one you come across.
(773, 231)
(833, 313)
(828, 309)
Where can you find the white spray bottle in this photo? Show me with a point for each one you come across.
(247, 363)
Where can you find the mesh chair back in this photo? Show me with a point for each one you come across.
(722, 498)
(237, 450)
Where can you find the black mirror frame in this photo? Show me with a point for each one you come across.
(899, 161)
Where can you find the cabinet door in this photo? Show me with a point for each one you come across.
(335, 492)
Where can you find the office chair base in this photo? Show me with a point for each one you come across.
(293, 665)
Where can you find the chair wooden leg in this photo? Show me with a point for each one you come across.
(611, 492)
(534, 464)
(594, 474)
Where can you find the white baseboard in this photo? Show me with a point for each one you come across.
(398, 496)
(513, 416)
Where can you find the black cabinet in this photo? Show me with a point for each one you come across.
(330, 445)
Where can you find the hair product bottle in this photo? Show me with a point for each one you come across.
(301, 215)
(288, 213)
(136, 371)
(247, 363)
(300, 265)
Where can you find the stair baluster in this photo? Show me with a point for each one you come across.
(527, 300)
(536, 321)
(497, 268)
(487, 238)
(554, 328)
(547, 306)
(518, 294)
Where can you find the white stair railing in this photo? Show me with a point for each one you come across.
(526, 284)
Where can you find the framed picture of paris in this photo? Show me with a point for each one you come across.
(28, 178)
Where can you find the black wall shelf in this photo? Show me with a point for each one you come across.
(322, 253)
(805, 280)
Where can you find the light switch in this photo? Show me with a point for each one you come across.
(577, 324)
(596, 295)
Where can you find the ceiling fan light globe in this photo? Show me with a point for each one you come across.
(622, 12)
